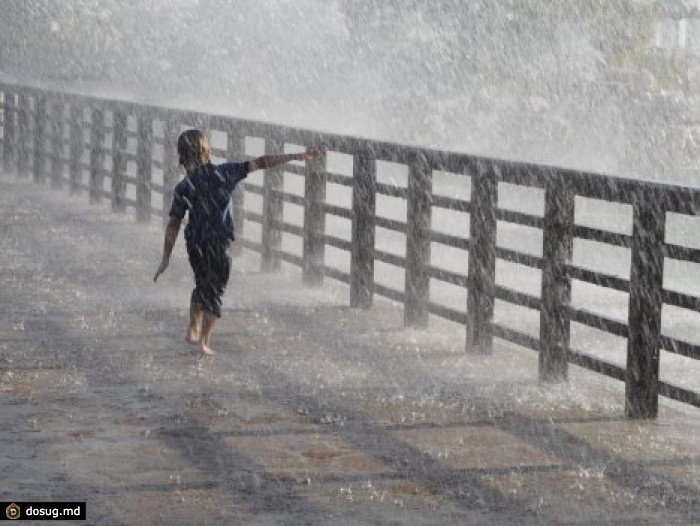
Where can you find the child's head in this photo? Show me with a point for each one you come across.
(193, 149)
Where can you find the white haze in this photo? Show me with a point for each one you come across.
(528, 80)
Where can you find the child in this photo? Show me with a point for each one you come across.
(206, 193)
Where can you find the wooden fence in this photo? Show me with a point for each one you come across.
(112, 149)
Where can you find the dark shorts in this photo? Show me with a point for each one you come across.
(211, 265)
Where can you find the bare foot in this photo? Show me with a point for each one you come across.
(192, 336)
(205, 350)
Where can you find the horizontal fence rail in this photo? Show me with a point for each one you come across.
(124, 152)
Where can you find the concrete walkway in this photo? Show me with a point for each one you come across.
(310, 412)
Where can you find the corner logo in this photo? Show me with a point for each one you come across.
(12, 511)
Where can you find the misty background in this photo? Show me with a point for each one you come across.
(601, 85)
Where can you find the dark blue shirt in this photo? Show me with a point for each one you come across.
(206, 193)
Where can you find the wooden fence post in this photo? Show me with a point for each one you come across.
(170, 164)
(645, 304)
(314, 221)
(39, 167)
(77, 147)
(235, 149)
(418, 243)
(364, 203)
(9, 141)
(23, 112)
(481, 277)
(119, 161)
(272, 209)
(144, 162)
(97, 154)
(558, 246)
(57, 139)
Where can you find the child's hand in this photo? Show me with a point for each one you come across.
(161, 268)
(311, 153)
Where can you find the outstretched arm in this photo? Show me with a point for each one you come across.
(270, 161)
(171, 232)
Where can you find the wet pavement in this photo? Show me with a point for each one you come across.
(309, 413)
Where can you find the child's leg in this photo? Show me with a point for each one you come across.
(198, 264)
(193, 331)
(215, 271)
(208, 322)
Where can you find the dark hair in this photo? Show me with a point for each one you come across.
(193, 149)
